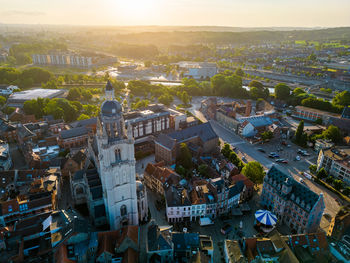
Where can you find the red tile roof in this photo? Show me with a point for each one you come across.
(240, 177)
(61, 255)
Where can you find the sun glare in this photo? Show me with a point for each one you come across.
(134, 9)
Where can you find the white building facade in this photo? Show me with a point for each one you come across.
(114, 158)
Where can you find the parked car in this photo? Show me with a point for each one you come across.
(261, 150)
(226, 229)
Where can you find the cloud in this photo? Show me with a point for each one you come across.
(21, 13)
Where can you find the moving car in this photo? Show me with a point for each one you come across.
(297, 158)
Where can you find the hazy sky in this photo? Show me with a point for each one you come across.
(250, 13)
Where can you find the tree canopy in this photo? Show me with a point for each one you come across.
(254, 171)
(282, 91)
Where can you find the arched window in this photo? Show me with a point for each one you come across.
(123, 210)
(118, 156)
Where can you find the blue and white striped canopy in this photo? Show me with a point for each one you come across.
(265, 217)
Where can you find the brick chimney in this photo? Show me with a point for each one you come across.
(248, 109)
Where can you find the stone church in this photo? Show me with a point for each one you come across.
(111, 151)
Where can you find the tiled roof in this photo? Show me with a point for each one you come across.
(107, 241)
(75, 132)
(240, 177)
(130, 256)
(298, 189)
(131, 232)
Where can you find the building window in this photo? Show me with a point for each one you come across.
(118, 157)
(123, 210)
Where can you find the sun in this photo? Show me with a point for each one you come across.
(135, 9)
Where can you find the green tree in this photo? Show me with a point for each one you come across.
(9, 110)
(332, 133)
(342, 98)
(2, 101)
(166, 99)
(319, 121)
(86, 95)
(256, 84)
(185, 157)
(282, 91)
(338, 184)
(239, 72)
(346, 191)
(321, 174)
(74, 94)
(226, 150)
(313, 168)
(203, 170)
(299, 132)
(267, 135)
(185, 98)
(254, 171)
(83, 117)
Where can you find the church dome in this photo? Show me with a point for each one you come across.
(111, 107)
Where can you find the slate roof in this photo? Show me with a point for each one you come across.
(177, 197)
(84, 123)
(236, 189)
(185, 241)
(75, 132)
(79, 156)
(298, 189)
(5, 126)
(156, 241)
(166, 141)
(204, 131)
(259, 121)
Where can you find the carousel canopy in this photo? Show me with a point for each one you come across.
(265, 217)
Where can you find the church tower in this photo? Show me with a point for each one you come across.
(116, 163)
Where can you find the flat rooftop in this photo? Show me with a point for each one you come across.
(25, 95)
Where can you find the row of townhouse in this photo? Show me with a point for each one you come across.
(203, 199)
